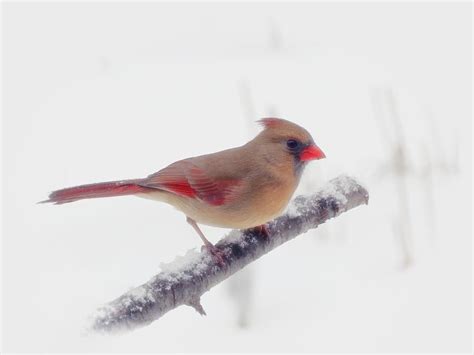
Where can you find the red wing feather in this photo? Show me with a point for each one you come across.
(179, 187)
(186, 179)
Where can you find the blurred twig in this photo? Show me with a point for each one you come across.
(401, 169)
(442, 162)
(248, 104)
(275, 39)
(388, 119)
(240, 287)
(387, 115)
(428, 187)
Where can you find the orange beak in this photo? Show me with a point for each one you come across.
(312, 152)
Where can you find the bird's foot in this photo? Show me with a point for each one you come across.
(216, 253)
(262, 230)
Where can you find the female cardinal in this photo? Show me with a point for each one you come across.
(241, 187)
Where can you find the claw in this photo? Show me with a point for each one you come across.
(262, 230)
(216, 253)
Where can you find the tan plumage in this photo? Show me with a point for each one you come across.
(241, 187)
(266, 176)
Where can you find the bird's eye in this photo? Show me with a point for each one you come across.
(291, 143)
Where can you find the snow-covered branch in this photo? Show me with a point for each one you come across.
(183, 281)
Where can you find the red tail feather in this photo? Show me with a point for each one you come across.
(101, 189)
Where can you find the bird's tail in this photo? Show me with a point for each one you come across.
(101, 189)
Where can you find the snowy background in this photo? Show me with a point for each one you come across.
(96, 92)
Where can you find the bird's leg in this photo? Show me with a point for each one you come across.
(216, 252)
(193, 223)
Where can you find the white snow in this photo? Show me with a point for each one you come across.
(192, 257)
(293, 209)
(140, 294)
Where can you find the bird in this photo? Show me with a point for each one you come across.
(239, 188)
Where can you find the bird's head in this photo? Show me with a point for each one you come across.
(285, 138)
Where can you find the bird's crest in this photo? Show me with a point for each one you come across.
(269, 122)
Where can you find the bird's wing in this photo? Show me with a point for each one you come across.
(186, 179)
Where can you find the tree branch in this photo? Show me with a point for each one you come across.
(183, 281)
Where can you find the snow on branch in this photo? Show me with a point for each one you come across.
(183, 281)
